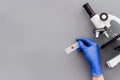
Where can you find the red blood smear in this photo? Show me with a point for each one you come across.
(72, 47)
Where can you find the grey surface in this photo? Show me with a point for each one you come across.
(34, 34)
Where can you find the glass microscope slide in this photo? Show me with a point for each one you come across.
(72, 48)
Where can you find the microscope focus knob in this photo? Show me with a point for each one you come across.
(103, 16)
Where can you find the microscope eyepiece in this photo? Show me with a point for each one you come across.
(89, 10)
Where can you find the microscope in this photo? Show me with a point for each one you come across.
(102, 26)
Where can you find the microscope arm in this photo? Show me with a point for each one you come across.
(110, 18)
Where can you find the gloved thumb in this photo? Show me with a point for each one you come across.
(81, 45)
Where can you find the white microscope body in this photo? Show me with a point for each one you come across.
(102, 26)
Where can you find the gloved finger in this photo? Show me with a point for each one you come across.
(79, 50)
(81, 45)
(86, 41)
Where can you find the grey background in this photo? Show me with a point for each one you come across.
(34, 34)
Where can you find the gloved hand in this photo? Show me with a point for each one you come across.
(90, 50)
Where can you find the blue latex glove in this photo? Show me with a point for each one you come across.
(90, 50)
